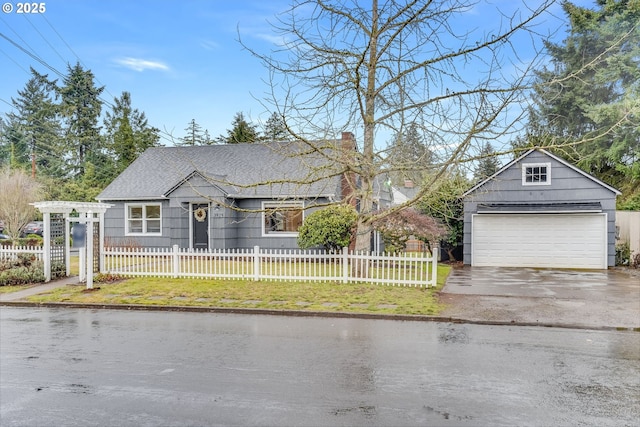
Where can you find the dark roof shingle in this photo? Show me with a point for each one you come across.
(269, 170)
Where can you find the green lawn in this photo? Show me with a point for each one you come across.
(265, 295)
(7, 289)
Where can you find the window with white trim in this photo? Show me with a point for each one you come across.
(281, 218)
(536, 173)
(143, 219)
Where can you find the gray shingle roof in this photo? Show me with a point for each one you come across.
(269, 170)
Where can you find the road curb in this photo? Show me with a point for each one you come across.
(295, 313)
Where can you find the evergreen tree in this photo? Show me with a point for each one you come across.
(207, 138)
(195, 135)
(34, 128)
(275, 129)
(409, 156)
(242, 131)
(488, 163)
(591, 94)
(128, 133)
(81, 107)
(14, 150)
(447, 206)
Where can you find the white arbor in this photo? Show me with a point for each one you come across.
(57, 229)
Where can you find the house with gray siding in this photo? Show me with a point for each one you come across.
(228, 196)
(540, 211)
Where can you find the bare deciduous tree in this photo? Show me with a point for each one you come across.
(17, 190)
(343, 66)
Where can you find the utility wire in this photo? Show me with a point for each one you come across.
(162, 134)
(32, 55)
(73, 52)
(26, 16)
(14, 61)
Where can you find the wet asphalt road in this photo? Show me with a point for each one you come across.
(67, 367)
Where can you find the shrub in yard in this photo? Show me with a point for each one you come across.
(623, 254)
(399, 226)
(635, 260)
(330, 228)
(22, 260)
(30, 240)
(18, 274)
(58, 269)
(107, 278)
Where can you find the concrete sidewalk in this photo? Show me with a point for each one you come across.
(38, 289)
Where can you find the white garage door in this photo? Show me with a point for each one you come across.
(539, 240)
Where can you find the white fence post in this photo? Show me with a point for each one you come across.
(345, 264)
(89, 249)
(387, 269)
(46, 246)
(434, 266)
(256, 263)
(176, 261)
(67, 246)
(82, 251)
(101, 242)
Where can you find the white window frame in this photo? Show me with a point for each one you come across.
(526, 166)
(279, 205)
(144, 219)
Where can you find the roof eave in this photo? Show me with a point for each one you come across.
(580, 171)
(280, 196)
(129, 199)
(498, 172)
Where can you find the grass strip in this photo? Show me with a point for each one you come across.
(310, 296)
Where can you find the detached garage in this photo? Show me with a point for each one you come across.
(540, 211)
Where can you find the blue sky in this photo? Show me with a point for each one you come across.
(180, 60)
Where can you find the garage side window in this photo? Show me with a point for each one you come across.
(282, 219)
(143, 219)
(536, 173)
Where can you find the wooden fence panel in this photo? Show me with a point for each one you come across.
(12, 252)
(405, 269)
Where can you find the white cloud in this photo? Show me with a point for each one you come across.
(276, 40)
(209, 45)
(138, 64)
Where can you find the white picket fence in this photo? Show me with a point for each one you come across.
(11, 252)
(404, 269)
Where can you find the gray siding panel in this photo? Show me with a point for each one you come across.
(567, 185)
(230, 227)
(114, 229)
(249, 233)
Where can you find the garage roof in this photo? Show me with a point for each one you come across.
(539, 207)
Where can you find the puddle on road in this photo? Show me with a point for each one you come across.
(454, 335)
(367, 410)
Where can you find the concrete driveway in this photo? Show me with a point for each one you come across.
(571, 298)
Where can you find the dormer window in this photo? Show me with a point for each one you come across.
(536, 173)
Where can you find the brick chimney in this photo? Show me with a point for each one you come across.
(408, 183)
(348, 141)
(348, 179)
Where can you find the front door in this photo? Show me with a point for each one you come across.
(200, 221)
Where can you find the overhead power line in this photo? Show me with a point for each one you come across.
(166, 136)
(32, 55)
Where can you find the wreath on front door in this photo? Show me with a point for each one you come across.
(200, 214)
